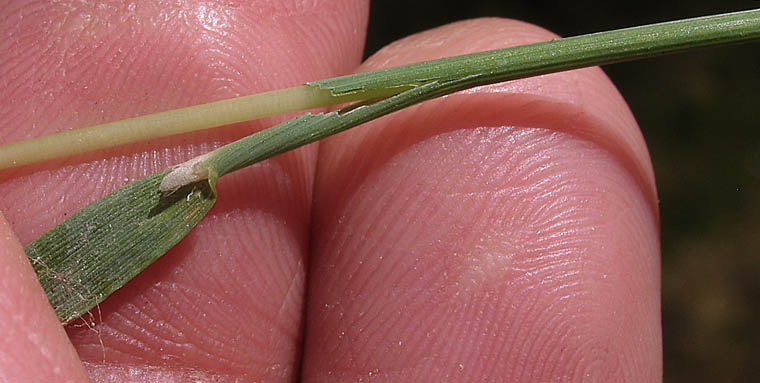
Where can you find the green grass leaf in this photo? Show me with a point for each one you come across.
(96, 251)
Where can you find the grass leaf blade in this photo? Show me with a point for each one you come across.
(96, 251)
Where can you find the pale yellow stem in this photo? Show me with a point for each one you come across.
(167, 123)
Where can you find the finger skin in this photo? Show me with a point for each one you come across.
(507, 233)
(34, 347)
(227, 302)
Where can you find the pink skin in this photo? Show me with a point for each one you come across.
(505, 234)
(508, 233)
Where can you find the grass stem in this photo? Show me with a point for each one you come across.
(480, 68)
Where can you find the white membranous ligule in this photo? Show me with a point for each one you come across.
(185, 173)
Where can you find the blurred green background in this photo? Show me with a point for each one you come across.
(699, 113)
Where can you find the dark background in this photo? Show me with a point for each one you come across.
(699, 113)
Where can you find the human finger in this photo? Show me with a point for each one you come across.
(506, 233)
(227, 302)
